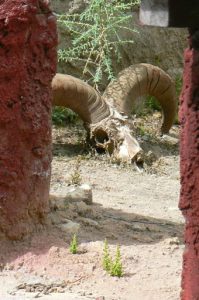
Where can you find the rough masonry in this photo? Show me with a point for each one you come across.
(28, 42)
(189, 199)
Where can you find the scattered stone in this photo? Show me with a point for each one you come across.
(170, 139)
(55, 218)
(174, 241)
(58, 202)
(88, 194)
(81, 193)
(150, 157)
(12, 293)
(83, 209)
(62, 199)
(10, 267)
(90, 222)
(146, 138)
(69, 227)
(43, 288)
(53, 250)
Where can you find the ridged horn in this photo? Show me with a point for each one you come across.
(139, 80)
(80, 97)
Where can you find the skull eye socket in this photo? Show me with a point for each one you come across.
(103, 142)
(101, 136)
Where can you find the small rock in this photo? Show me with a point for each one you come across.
(69, 227)
(12, 293)
(58, 202)
(90, 222)
(174, 241)
(60, 290)
(38, 295)
(80, 193)
(53, 250)
(29, 289)
(88, 199)
(83, 209)
(170, 139)
(11, 267)
(61, 199)
(54, 218)
(145, 138)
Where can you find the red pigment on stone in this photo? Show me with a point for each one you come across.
(189, 199)
(28, 40)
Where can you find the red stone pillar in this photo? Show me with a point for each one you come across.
(189, 200)
(27, 64)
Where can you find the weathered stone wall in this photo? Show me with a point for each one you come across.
(160, 46)
(28, 43)
(189, 163)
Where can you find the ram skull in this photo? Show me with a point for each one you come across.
(106, 117)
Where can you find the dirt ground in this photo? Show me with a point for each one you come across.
(137, 210)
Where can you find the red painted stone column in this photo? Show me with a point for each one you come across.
(28, 42)
(189, 200)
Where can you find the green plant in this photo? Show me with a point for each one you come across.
(73, 245)
(141, 130)
(76, 178)
(116, 267)
(178, 85)
(152, 104)
(158, 59)
(107, 261)
(96, 36)
(62, 116)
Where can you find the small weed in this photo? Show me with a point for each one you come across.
(158, 59)
(73, 245)
(107, 261)
(152, 104)
(141, 130)
(176, 121)
(62, 116)
(178, 84)
(76, 178)
(114, 268)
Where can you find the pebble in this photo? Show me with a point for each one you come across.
(70, 227)
(60, 200)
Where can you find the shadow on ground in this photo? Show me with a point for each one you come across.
(96, 224)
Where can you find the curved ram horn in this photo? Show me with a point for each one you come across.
(143, 79)
(80, 97)
(107, 129)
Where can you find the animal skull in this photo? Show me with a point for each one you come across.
(112, 135)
